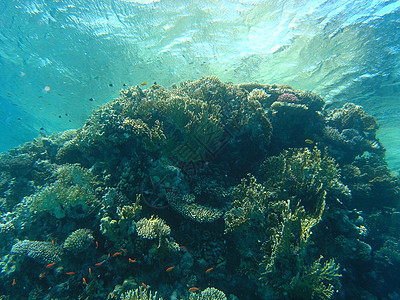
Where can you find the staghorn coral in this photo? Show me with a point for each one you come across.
(41, 252)
(140, 294)
(72, 194)
(79, 240)
(186, 206)
(209, 293)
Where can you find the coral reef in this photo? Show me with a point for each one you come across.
(256, 189)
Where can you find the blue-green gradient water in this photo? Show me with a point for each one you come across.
(59, 60)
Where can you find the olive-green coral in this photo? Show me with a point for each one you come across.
(249, 202)
(152, 228)
(319, 281)
(140, 294)
(209, 293)
(79, 240)
(72, 194)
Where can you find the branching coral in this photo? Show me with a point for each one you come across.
(249, 202)
(319, 281)
(209, 293)
(140, 294)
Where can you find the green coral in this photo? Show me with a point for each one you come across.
(319, 281)
(41, 252)
(79, 240)
(249, 202)
(72, 194)
(140, 294)
(209, 293)
(152, 228)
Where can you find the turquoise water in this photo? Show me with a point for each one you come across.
(199, 150)
(344, 50)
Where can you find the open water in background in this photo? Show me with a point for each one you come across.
(61, 59)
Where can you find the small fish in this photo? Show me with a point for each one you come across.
(209, 270)
(108, 255)
(97, 245)
(50, 265)
(90, 271)
(144, 83)
(84, 280)
(116, 254)
(123, 250)
(52, 241)
(308, 141)
(145, 285)
(99, 263)
(132, 260)
(13, 282)
(170, 269)
(42, 275)
(193, 289)
(70, 273)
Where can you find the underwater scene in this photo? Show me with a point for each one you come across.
(171, 150)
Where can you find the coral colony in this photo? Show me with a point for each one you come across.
(208, 190)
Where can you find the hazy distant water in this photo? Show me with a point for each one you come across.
(57, 55)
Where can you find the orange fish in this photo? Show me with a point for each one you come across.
(144, 83)
(132, 260)
(97, 244)
(209, 270)
(99, 263)
(123, 250)
(108, 255)
(169, 269)
(13, 283)
(90, 271)
(70, 273)
(116, 254)
(193, 289)
(50, 265)
(52, 242)
(42, 275)
(145, 285)
(84, 281)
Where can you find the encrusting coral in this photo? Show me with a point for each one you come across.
(41, 252)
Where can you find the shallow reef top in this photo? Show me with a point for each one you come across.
(206, 190)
